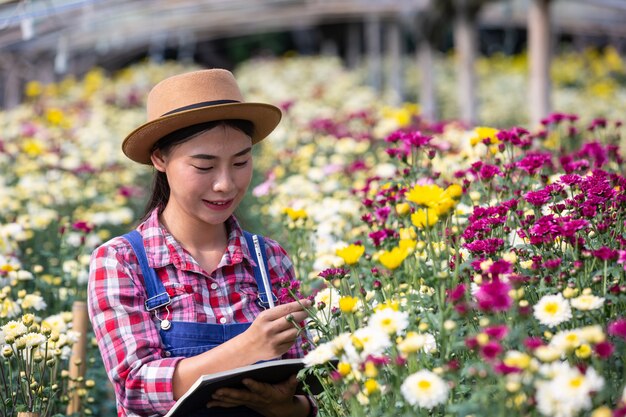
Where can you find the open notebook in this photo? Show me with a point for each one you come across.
(271, 372)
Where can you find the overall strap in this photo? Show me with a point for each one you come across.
(157, 296)
(256, 247)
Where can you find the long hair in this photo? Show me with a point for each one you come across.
(160, 186)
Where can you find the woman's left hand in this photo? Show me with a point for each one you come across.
(270, 400)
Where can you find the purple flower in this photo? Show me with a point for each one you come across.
(486, 246)
(605, 253)
(487, 172)
(494, 296)
(533, 162)
(490, 350)
(618, 328)
(538, 198)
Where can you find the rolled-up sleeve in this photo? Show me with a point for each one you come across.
(127, 337)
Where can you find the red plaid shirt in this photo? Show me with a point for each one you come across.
(128, 335)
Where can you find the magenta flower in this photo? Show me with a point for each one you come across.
(457, 293)
(486, 246)
(618, 328)
(605, 253)
(490, 350)
(494, 296)
(533, 162)
(604, 350)
(538, 198)
(497, 332)
(533, 343)
(504, 369)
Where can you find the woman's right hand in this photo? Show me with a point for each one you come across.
(273, 332)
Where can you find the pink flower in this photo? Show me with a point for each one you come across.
(604, 349)
(490, 350)
(497, 332)
(618, 328)
(533, 343)
(494, 296)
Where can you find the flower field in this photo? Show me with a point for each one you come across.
(454, 271)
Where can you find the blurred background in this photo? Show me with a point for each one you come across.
(346, 73)
(402, 48)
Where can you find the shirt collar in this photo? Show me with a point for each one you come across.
(163, 249)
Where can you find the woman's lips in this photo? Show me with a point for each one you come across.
(218, 205)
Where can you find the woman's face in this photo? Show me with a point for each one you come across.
(208, 175)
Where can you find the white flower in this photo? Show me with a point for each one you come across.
(414, 342)
(14, 329)
(31, 340)
(56, 322)
(587, 302)
(567, 340)
(9, 308)
(424, 389)
(33, 301)
(567, 391)
(321, 354)
(389, 320)
(330, 297)
(365, 342)
(552, 310)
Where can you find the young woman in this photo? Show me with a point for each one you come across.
(178, 298)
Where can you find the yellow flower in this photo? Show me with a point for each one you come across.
(54, 116)
(394, 258)
(454, 190)
(407, 233)
(602, 411)
(407, 245)
(426, 195)
(482, 133)
(295, 214)
(351, 254)
(371, 386)
(424, 218)
(403, 208)
(33, 89)
(583, 352)
(344, 368)
(370, 369)
(33, 147)
(347, 304)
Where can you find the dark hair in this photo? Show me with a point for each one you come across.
(160, 187)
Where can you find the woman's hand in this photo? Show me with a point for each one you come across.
(270, 400)
(273, 332)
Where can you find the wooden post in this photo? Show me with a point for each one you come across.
(373, 44)
(80, 324)
(539, 51)
(465, 42)
(394, 60)
(428, 95)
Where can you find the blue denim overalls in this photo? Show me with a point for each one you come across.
(189, 338)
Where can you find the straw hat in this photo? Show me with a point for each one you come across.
(192, 98)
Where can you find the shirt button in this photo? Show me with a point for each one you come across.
(223, 320)
(168, 354)
(214, 286)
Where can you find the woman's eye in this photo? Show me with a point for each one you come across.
(202, 168)
(241, 164)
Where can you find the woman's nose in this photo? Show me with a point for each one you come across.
(224, 181)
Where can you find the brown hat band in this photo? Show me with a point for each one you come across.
(198, 105)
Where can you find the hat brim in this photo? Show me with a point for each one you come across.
(139, 143)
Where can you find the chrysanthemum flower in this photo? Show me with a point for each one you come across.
(351, 253)
(587, 302)
(552, 310)
(393, 258)
(424, 389)
(389, 320)
(424, 218)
